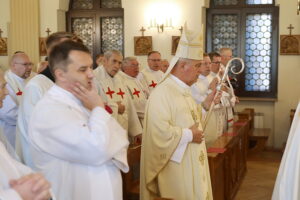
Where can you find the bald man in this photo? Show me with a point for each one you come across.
(164, 65)
(16, 77)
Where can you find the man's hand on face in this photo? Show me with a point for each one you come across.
(89, 98)
(121, 107)
(32, 187)
(197, 134)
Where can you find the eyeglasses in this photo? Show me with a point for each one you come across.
(217, 63)
(205, 64)
(26, 64)
(155, 60)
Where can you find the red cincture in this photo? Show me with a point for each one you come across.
(121, 93)
(108, 109)
(153, 84)
(19, 93)
(110, 92)
(137, 93)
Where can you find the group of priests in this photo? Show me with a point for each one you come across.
(73, 124)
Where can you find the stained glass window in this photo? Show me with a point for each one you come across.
(82, 4)
(258, 52)
(111, 4)
(225, 32)
(112, 33)
(225, 2)
(259, 1)
(83, 27)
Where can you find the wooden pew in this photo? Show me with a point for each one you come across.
(131, 180)
(258, 137)
(227, 169)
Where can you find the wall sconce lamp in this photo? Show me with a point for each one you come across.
(161, 24)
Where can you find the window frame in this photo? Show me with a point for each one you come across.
(242, 9)
(96, 13)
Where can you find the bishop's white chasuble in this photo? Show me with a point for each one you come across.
(171, 109)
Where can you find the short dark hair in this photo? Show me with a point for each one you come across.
(152, 52)
(213, 54)
(55, 37)
(59, 56)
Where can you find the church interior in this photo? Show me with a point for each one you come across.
(244, 162)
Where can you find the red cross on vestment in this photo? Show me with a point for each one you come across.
(153, 84)
(137, 93)
(19, 93)
(121, 93)
(110, 92)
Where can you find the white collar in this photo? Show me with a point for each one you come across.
(149, 69)
(179, 82)
(202, 77)
(65, 92)
(213, 74)
(15, 76)
(126, 75)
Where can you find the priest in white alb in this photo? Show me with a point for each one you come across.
(288, 178)
(16, 77)
(229, 99)
(152, 73)
(202, 91)
(117, 94)
(75, 142)
(33, 92)
(16, 180)
(137, 89)
(174, 159)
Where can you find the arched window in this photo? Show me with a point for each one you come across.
(99, 23)
(250, 28)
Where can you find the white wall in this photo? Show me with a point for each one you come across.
(52, 16)
(4, 20)
(136, 17)
(289, 74)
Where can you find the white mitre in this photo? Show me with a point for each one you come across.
(190, 46)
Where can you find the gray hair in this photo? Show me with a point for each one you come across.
(222, 50)
(127, 60)
(109, 53)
